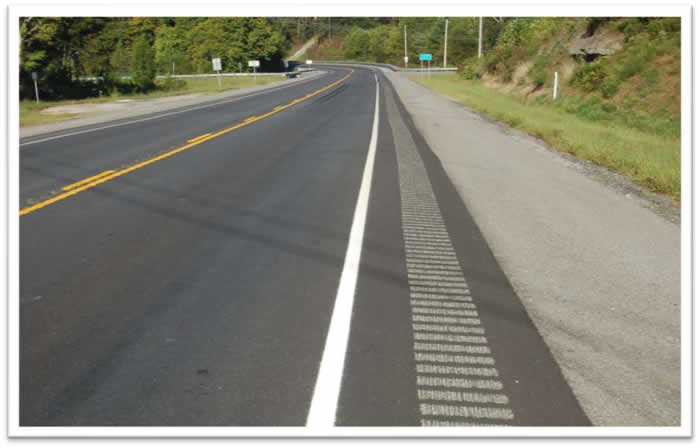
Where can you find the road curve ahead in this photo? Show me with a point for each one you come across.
(297, 257)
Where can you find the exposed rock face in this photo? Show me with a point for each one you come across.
(602, 43)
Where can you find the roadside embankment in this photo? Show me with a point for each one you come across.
(651, 158)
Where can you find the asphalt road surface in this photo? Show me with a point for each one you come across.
(312, 265)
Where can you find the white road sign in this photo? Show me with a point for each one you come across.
(216, 62)
(253, 63)
(309, 62)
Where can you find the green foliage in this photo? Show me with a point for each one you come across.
(356, 45)
(473, 68)
(538, 72)
(515, 31)
(589, 77)
(631, 66)
(143, 71)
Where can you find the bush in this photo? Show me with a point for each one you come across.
(501, 61)
(473, 68)
(171, 84)
(631, 67)
(610, 87)
(589, 77)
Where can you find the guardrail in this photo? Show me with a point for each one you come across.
(390, 66)
(207, 75)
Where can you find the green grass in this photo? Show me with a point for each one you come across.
(30, 111)
(649, 158)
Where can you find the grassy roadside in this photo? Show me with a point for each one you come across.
(651, 159)
(30, 112)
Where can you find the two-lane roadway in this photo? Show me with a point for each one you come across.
(293, 257)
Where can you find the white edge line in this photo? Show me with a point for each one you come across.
(238, 98)
(324, 403)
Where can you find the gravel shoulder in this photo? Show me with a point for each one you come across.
(595, 260)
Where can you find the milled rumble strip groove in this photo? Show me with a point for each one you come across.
(461, 396)
(433, 369)
(466, 411)
(461, 383)
(445, 278)
(441, 283)
(428, 422)
(450, 346)
(454, 359)
(443, 304)
(439, 290)
(448, 328)
(446, 320)
(427, 296)
(115, 174)
(444, 312)
(442, 337)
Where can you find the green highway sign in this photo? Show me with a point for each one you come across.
(426, 57)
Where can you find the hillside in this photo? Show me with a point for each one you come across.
(621, 75)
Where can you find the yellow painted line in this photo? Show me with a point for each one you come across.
(91, 182)
(84, 181)
(250, 119)
(198, 138)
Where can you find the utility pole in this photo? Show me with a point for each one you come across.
(405, 48)
(329, 29)
(444, 57)
(481, 32)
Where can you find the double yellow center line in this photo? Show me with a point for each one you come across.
(92, 181)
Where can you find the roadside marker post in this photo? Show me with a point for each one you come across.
(425, 57)
(556, 85)
(255, 64)
(216, 63)
(35, 77)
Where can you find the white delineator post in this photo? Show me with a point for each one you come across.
(481, 32)
(444, 57)
(405, 48)
(556, 85)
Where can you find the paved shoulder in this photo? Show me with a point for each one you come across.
(598, 273)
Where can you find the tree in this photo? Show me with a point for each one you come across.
(143, 70)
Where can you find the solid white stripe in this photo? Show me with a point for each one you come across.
(324, 402)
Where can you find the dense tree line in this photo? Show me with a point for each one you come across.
(62, 50)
